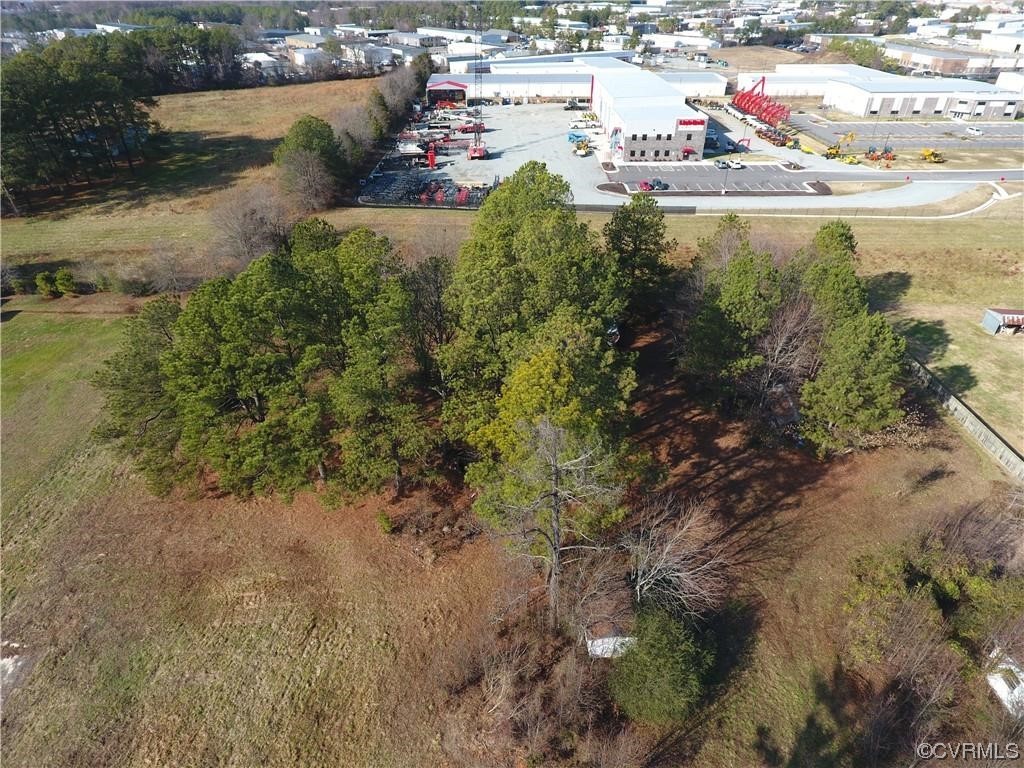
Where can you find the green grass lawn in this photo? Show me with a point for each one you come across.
(49, 408)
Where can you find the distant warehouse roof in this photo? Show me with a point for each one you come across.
(933, 52)
(951, 85)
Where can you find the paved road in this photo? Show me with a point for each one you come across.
(772, 177)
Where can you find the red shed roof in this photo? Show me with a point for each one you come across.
(447, 85)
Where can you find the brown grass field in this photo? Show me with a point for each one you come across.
(212, 631)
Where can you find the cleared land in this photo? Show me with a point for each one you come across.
(211, 631)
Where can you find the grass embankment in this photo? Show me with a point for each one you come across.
(197, 632)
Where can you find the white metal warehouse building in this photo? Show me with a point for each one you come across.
(645, 115)
(865, 92)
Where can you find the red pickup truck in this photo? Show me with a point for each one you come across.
(472, 128)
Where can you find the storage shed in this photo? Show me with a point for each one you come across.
(1007, 682)
(999, 320)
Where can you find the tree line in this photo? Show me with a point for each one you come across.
(331, 323)
(790, 340)
(86, 14)
(78, 110)
(75, 109)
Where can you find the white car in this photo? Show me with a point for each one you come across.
(973, 131)
(735, 164)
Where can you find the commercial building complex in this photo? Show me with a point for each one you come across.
(868, 92)
(644, 115)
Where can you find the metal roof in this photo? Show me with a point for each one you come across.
(950, 85)
(933, 52)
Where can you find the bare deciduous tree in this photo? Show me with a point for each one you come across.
(790, 348)
(250, 222)
(983, 535)
(171, 269)
(599, 592)
(561, 480)
(398, 88)
(626, 749)
(355, 131)
(306, 178)
(677, 555)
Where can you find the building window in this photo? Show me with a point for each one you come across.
(894, 111)
(873, 112)
(658, 137)
(689, 136)
(634, 137)
(668, 137)
(644, 137)
(916, 112)
(643, 153)
(632, 153)
(657, 153)
(938, 112)
(982, 103)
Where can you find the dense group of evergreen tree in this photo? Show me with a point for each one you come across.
(321, 365)
(769, 334)
(74, 109)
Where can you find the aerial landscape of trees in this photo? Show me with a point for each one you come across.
(328, 363)
(77, 111)
(294, 480)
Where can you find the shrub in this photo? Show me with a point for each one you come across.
(385, 523)
(64, 281)
(45, 284)
(661, 678)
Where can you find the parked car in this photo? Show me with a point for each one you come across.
(659, 184)
(974, 131)
(472, 128)
(644, 186)
(735, 164)
(721, 164)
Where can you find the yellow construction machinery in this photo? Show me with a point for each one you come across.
(932, 156)
(836, 150)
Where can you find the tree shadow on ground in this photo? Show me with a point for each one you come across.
(827, 737)
(178, 165)
(752, 487)
(755, 490)
(928, 340)
(30, 269)
(886, 290)
(957, 378)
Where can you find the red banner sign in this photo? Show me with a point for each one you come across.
(690, 122)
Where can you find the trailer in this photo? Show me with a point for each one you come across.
(1003, 320)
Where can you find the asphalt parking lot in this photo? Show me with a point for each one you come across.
(910, 135)
(705, 178)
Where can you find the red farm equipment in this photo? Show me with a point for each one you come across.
(755, 102)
